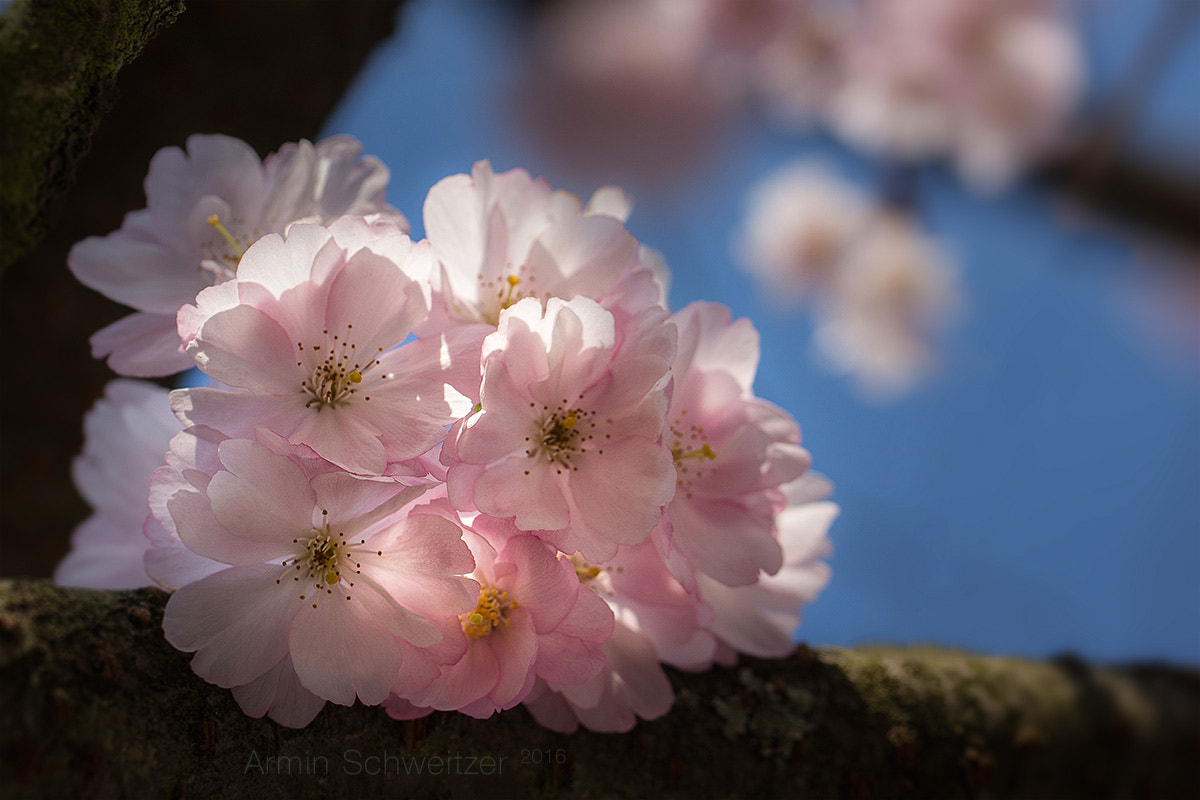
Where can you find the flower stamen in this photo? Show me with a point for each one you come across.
(215, 221)
(513, 280)
(324, 560)
(337, 377)
(684, 450)
(489, 613)
(703, 451)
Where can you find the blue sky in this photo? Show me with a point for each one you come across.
(1042, 493)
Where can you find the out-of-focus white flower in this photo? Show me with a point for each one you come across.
(626, 89)
(881, 288)
(988, 83)
(800, 67)
(126, 434)
(893, 293)
(799, 223)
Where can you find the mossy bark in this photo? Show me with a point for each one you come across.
(97, 704)
(60, 60)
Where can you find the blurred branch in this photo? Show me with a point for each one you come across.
(96, 703)
(1131, 191)
(1149, 198)
(60, 61)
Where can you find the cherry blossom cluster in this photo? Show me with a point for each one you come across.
(482, 469)
(882, 290)
(987, 84)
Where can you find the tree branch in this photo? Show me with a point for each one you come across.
(60, 61)
(96, 703)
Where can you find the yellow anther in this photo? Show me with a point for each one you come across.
(488, 614)
(215, 221)
(583, 570)
(513, 280)
(354, 377)
(331, 578)
(586, 573)
(570, 421)
(702, 452)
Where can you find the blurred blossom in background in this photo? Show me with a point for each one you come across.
(1002, 383)
(881, 290)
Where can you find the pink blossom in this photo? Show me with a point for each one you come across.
(567, 439)
(647, 598)
(191, 454)
(125, 436)
(988, 82)
(731, 449)
(325, 569)
(310, 329)
(799, 223)
(279, 694)
(165, 254)
(760, 619)
(632, 686)
(656, 620)
(500, 238)
(533, 619)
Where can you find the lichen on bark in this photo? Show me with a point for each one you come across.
(96, 703)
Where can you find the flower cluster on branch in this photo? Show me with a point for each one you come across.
(486, 468)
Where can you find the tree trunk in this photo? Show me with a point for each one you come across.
(98, 704)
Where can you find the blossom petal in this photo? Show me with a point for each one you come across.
(142, 345)
(621, 492)
(279, 693)
(259, 495)
(535, 499)
(142, 274)
(340, 651)
(209, 617)
(245, 347)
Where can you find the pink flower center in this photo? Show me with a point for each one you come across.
(561, 433)
(591, 575)
(489, 612)
(497, 295)
(325, 561)
(337, 377)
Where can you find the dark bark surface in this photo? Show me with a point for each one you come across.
(60, 62)
(97, 704)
